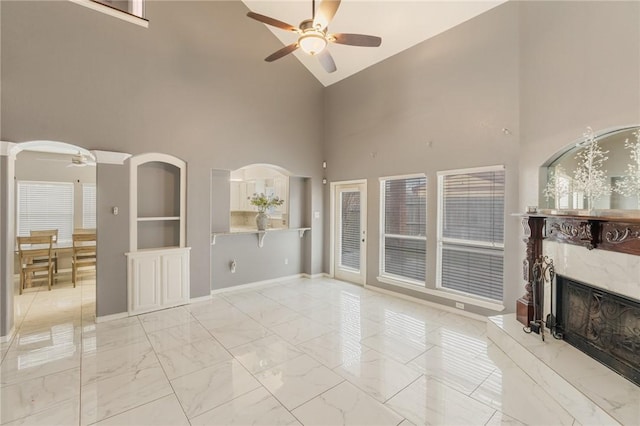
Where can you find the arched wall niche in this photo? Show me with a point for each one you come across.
(253, 180)
(599, 172)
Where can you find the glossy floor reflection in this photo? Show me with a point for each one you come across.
(298, 352)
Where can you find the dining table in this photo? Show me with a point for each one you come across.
(60, 247)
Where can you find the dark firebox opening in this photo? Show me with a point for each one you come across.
(604, 325)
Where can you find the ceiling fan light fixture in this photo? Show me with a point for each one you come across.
(312, 42)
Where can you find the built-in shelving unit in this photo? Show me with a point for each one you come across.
(158, 261)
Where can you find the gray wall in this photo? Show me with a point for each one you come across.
(299, 214)
(6, 247)
(113, 238)
(440, 105)
(284, 252)
(580, 66)
(253, 263)
(180, 87)
(544, 70)
(220, 200)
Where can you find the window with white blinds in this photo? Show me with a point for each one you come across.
(45, 205)
(89, 205)
(471, 231)
(403, 220)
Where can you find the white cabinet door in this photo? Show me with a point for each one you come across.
(145, 284)
(158, 279)
(175, 278)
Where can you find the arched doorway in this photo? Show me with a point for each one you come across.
(31, 169)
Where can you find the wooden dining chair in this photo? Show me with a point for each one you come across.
(30, 248)
(84, 255)
(84, 230)
(54, 234)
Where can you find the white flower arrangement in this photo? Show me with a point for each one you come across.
(629, 185)
(265, 202)
(556, 186)
(589, 177)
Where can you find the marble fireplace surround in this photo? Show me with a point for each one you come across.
(610, 271)
(590, 392)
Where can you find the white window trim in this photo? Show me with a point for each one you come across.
(113, 12)
(381, 264)
(496, 168)
(472, 243)
(84, 225)
(447, 292)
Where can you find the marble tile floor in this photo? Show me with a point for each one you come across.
(262, 356)
(594, 393)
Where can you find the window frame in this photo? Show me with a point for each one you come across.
(61, 237)
(382, 274)
(117, 13)
(471, 245)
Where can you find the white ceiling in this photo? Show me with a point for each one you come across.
(400, 23)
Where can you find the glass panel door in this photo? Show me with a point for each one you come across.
(350, 229)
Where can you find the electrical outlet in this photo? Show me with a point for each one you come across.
(286, 261)
(459, 305)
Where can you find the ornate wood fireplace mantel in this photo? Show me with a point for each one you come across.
(613, 233)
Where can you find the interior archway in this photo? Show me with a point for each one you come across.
(50, 161)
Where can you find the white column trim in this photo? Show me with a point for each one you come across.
(110, 157)
(5, 148)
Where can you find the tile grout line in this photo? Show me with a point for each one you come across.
(18, 329)
(155, 352)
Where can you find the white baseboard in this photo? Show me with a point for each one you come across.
(256, 284)
(428, 303)
(200, 299)
(315, 276)
(7, 337)
(112, 317)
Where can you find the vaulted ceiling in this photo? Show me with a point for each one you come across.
(401, 24)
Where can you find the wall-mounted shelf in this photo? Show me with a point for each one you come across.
(157, 218)
(261, 234)
(612, 233)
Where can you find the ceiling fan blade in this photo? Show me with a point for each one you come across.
(326, 11)
(273, 22)
(326, 60)
(282, 52)
(356, 40)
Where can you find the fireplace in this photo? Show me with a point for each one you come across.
(604, 325)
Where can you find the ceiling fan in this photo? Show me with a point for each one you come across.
(77, 160)
(313, 37)
(80, 160)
